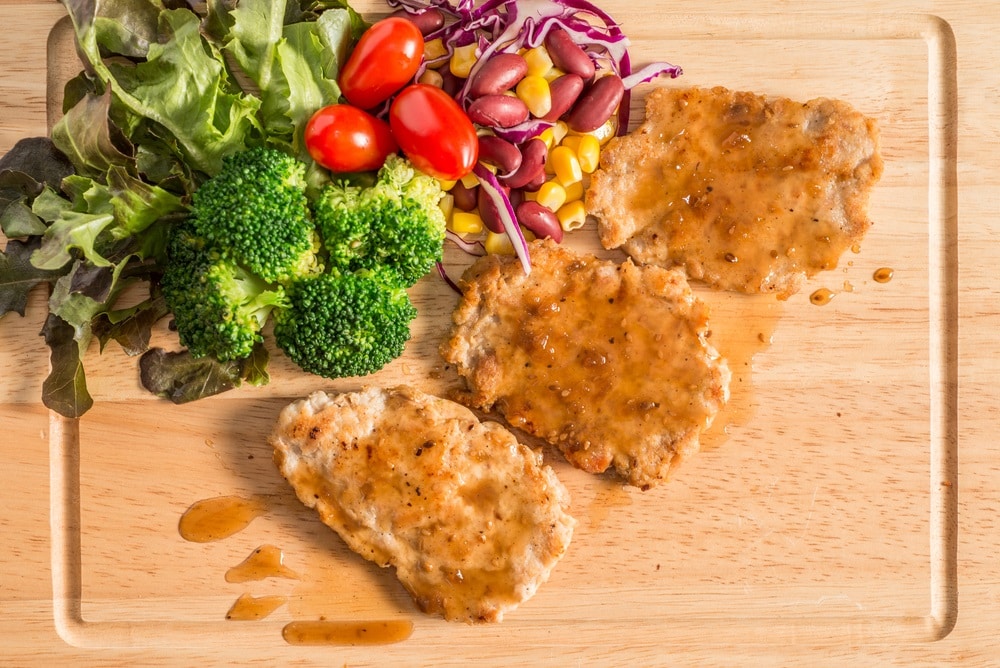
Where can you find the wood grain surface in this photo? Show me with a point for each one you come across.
(842, 510)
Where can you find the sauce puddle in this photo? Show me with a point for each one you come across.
(249, 608)
(822, 296)
(741, 326)
(224, 516)
(267, 561)
(347, 633)
(220, 517)
(883, 275)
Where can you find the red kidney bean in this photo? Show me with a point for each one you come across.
(465, 198)
(498, 111)
(564, 92)
(498, 74)
(515, 197)
(596, 104)
(535, 183)
(450, 83)
(567, 54)
(488, 212)
(533, 154)
(426, 21)
(539, 220)
(500, 153)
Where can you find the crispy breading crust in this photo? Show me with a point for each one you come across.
(747, 193)
(472, 521)
(607, 362)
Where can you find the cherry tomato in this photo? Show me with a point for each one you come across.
(434, 132)
(343, 138)
(383, 61)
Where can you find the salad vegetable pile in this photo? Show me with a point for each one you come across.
(285, 161)
(547, 82)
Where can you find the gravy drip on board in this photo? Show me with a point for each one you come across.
(222, 517)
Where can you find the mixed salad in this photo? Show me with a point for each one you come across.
(288, 163)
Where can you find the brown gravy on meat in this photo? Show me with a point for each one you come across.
(747, 193)
(612, 365)
(717, 197)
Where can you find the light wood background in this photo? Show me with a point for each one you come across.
(843, 510)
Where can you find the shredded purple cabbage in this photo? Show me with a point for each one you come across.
(488, 182)
(522, 132)
(443, 273)
(508, 25)
(499, 26)
(470, 247)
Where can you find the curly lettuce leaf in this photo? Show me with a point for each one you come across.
(30, 164)
(64, 390)
(131, 327)
(165, 95)
(18, 276)
(84, 134)
(182, 86)
(138, 204)
(358, 25)
(73, 227)
(25, 170)
(181, 377)
(292, 64)
(98, 217)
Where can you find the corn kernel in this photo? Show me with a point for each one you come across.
(565, 165)
(548, 136)
(462, 60)
(446, 184)
(470, 180)
(561, 130)
(571, 141)
(588, 151)
(447, 206)
(534, 91)
(466, 222)
(498, 244)
(554, 134)
(432, 77)
(434, 49)
(551, 195)
(606, 132)
(553, 74)
(538, 61)
(574, 191)
(572, 215)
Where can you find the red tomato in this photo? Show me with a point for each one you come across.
(383, 61)
(343, 138)
(434, 132)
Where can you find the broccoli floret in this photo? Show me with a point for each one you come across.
(219, 308)
(344, 324)
(255, 210)
(395, 224)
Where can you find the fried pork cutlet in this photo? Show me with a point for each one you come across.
(471, 519)
(607, 362)
(747, 193)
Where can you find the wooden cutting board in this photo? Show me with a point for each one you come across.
(842, 507)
